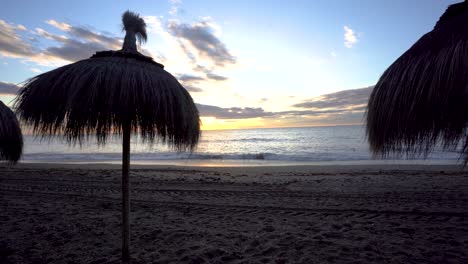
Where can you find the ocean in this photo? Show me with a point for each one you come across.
(242, 147)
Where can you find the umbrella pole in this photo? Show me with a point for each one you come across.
(125, 192)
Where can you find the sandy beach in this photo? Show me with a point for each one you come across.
(52, 213)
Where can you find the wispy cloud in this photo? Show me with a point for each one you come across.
(80, 42)
(8, 88)
(11, 43)
(189, 78)
(350, 37)
(198, 39)
(197, 48)
(175, 7)
(77, 43)
(347, 99)
(258, 112)
(199, 43)
(36, 70)
(232, 112)
(192, 88)
(60, 25)
(347, 105)
(21, 27)
(215, 77)
(190, 82)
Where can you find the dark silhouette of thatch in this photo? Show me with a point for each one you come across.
(119, 92)
(422, 98)
(11, 139)
(98, 95)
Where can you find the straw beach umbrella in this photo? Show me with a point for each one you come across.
(11, 139)
(422, 98)
(121, 92)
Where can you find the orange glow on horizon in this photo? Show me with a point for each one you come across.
(212, 123)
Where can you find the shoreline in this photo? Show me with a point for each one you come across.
(405, 164)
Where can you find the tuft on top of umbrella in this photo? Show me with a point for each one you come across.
(11, 139)
(422, 98)
(120, 92)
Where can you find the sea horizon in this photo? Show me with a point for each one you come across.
(317, 145)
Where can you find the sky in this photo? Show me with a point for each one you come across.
(247, 64)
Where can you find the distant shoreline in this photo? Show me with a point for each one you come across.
(254, 163)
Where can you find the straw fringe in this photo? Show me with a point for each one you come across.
(422, 98)
(11, 139)
(96, 96)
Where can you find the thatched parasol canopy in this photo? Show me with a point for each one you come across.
(120, 92)
(99, 95)
(11, 139)
(422, 98)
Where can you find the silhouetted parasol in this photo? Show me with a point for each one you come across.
(120, 92)
(11, 139)
(421, 100)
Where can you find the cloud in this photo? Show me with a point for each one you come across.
(232, 112)
(344, 107)
(78, 43)
(215, 77)
(21, 27)
(347, 99)
(87, 35)
(192, 88)
(189, 82)
(258, 112)
(209, 73)
(319, 112)
(189, 78)
(349, 37)
(60, 25)
(11, 43)
(175, 7)
(84, 34)
(66, 43)
(41, 32)
(74, 50)
(199, 39)
(36, 70)
(199, 42)
(8, 88)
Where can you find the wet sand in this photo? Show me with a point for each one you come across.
(53, 213)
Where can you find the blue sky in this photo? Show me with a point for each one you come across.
(246, 63)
